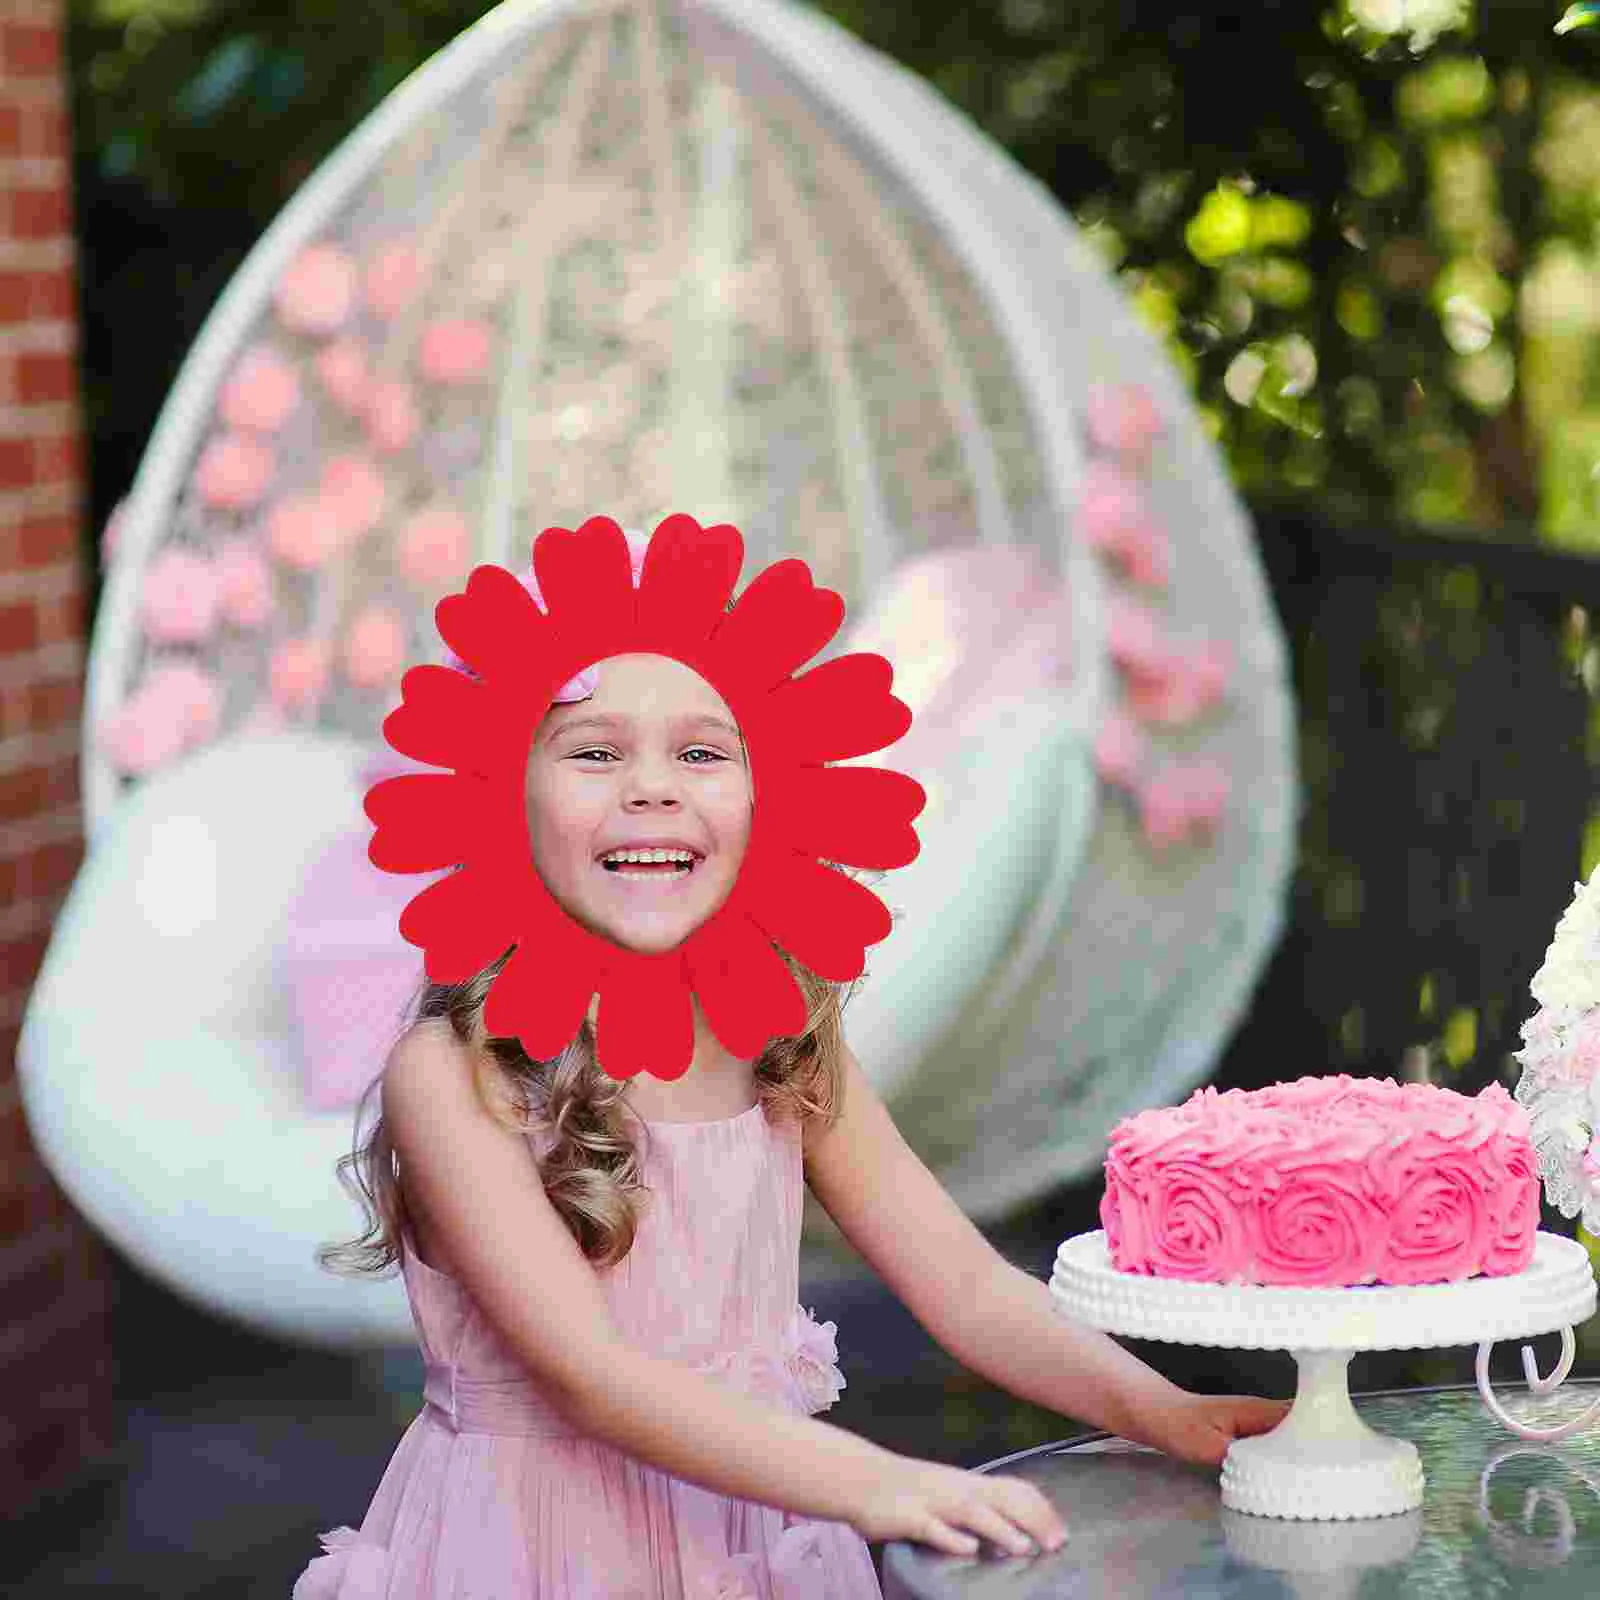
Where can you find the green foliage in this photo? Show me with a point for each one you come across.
(238, 100)
(1370, 254)
(1460, 1043)
(1374, 200)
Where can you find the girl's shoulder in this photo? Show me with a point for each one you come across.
(445, 1110)
(434, 1045)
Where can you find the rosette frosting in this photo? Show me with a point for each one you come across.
(1328, 1181)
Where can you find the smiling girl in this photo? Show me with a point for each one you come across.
(604, 1275)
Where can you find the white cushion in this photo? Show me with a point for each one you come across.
(157, 1061)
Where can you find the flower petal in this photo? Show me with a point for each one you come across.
(586, 578)
(812, 943)
(688, 576)
(408, 811)
(747, 993)
(858, 816)
(840, 710)
(778, 624)
(649, 1023)
(542, 993)
(827, 912)
(463, 922)
(494, 625)
(438, 717)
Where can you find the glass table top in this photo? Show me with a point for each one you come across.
(1501, 1517)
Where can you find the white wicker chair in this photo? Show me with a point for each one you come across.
(859, 332)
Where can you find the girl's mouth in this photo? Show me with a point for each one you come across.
(650, 869)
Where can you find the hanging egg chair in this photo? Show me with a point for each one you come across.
(633, 258)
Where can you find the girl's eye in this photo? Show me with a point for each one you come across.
(593, 755)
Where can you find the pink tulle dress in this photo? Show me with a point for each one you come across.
(490, 1495)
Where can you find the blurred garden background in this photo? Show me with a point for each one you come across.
(1368, 234)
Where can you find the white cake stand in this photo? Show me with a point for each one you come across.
(1322, 1462)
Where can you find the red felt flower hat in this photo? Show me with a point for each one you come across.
(810, 816)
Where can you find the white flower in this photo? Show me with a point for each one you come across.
(1560, 1083)
(1570, 975)
(813, 1360)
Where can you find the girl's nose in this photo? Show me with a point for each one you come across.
(651, 781)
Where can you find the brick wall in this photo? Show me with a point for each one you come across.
(55, 1364)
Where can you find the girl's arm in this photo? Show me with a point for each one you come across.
(477, 1184)
(989, 1315)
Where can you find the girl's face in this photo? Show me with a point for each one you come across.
(652, 759)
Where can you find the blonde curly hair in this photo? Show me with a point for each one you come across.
(592, 1170)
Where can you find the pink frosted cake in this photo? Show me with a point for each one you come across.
(1325, 1181)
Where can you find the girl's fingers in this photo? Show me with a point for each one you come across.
(986, 1519)
(952, 1541)
(1028, 1508)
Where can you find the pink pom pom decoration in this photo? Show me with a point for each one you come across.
(455, 351)
(1122, 419)
(1164, 698)
(393, 278)
(1164, 811)
(342, 367)
(391, 417)
(1180, 689)
(1184, 799)
(1206, 788)
(353, 489)
(375, 648)
(244, 583)
(1109, 507)
(141, 736)
(1133, 636)
(1146, 556)
(432, 548)
(180, 596)
(1113, 518)
(303, 531)
(233, 472)
(299, 674)
(316, 295)
(262, 392)
(1210, 667)
(176, 707)
(188, 695)
(1120, 749)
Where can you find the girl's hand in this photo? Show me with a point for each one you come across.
(945, 1507)
(1200, 1427)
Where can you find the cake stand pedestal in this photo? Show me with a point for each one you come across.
(1322, 1462)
